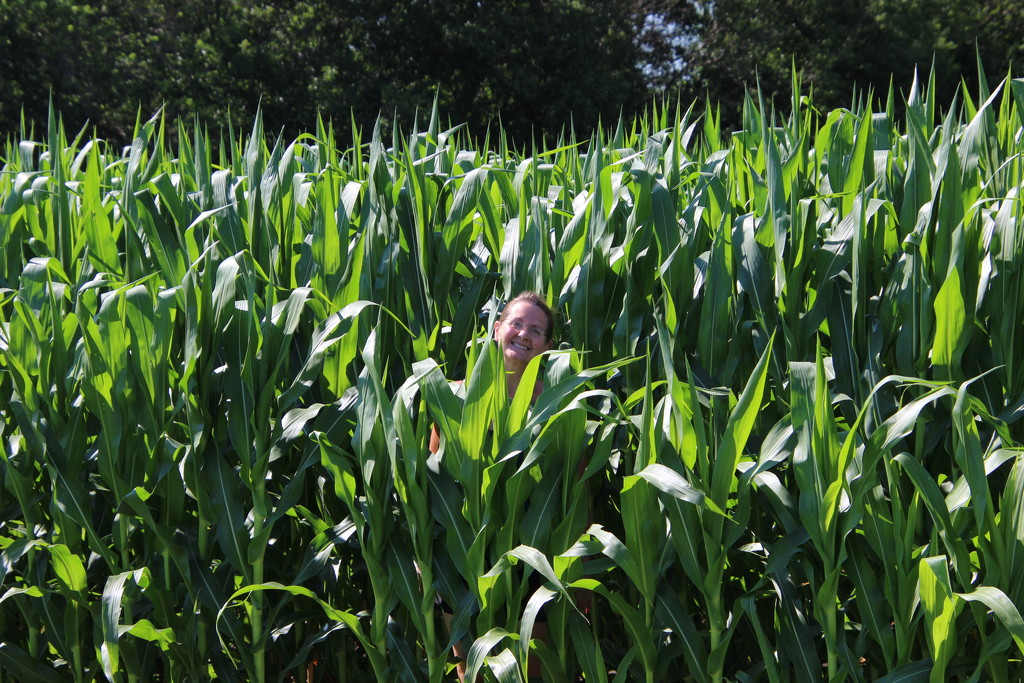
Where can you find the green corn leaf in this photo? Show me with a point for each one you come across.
(914, 672)
(29, 669)
(951, 332)
(69, 568)
(113, 604)
(741, 421)
(481, 646)
(929, 491)
(940, 609)
(588, 653)
(672, 612)
(1003, 608)
(635, 624)
(505, 667)
(346, 618)
(144, 629)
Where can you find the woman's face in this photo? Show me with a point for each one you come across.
(521, 333)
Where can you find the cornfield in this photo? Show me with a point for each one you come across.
(779, 440)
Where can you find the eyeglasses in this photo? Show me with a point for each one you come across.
(532, 330)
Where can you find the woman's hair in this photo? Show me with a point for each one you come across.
(538, 301)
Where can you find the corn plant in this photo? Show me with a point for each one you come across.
(779, 437)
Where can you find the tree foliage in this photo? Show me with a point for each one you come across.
(840, 46)
(537, 66)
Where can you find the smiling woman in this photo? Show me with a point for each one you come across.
(523, 331)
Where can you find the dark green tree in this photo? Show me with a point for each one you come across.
(30, 66)
(103, 63)
(840, 47)
(535, 65)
